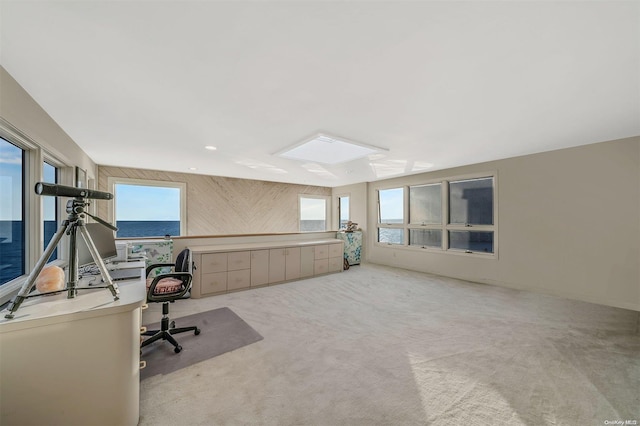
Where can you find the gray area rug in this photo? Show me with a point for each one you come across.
(221, 331)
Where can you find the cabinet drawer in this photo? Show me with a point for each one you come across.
(321, 252)
(214, 262)
(214, 282)
(321, 266)
(238, 260)
(335, 250)
(238, 279)
(336, 264)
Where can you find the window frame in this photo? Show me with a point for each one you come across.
(34, 158)
(427, 226)
(327, 210)
(472, 227)
(339, 205)
(47, 159)
(445, 226)
(112, 181)
(403, 225)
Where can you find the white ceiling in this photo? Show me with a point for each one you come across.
(148, 84)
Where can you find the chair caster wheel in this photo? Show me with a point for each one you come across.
(172, 324)
(177, 349)
(196, 331)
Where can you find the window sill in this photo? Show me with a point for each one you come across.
(11, 288)
(435, 250)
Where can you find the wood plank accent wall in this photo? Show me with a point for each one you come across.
(220, 205)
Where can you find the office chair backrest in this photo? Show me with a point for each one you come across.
(182, 261)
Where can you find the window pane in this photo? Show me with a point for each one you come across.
(391, 203)
(12, 227)
(313, 212)
(471, 201)
(391, 235)
(344, 211)
(147, 211)
(425, 237)
(49, 208)
(478, 241)
(425, 204)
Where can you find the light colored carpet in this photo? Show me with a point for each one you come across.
(381, 346)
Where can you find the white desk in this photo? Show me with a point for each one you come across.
(73, 361)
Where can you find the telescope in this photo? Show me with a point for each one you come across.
(71, 226)
(69, 191)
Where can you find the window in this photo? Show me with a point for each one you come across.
(425, 210)
(391, 206)
(344, 211)
(471, 202)
(425, 237)
(441, 215)
(50, 208)
(390, 235)
(391, 216)
(148, 208)
(471, 205)
(12, 221)
(425, 204)
(471, 241)
(313, 213)
(25, 217)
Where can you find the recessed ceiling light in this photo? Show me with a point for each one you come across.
(328, 150)
(193, 168)
(210, 148)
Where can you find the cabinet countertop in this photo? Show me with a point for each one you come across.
(261, 246)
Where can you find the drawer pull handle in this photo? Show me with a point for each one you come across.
(143, 364)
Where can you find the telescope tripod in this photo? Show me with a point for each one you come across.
(70, 226)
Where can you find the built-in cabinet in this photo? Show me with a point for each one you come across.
(307, 260)
(224, 268)
(284, 264)
(73, 361)
(259, 268)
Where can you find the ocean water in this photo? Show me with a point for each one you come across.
(11, 250)
(312, 225)
(150, 228)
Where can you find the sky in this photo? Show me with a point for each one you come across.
(10, 181)
(138, 202)
(312, 208)
(392, 204)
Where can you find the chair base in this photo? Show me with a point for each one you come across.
(167, 330)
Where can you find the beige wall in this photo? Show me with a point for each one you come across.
(21, 112)
(221, 206)
(567, 224)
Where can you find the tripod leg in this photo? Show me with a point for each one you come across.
(31, 280)
(115, 292)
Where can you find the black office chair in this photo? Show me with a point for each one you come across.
(167, 288)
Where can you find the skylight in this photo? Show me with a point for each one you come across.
(328, 150)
